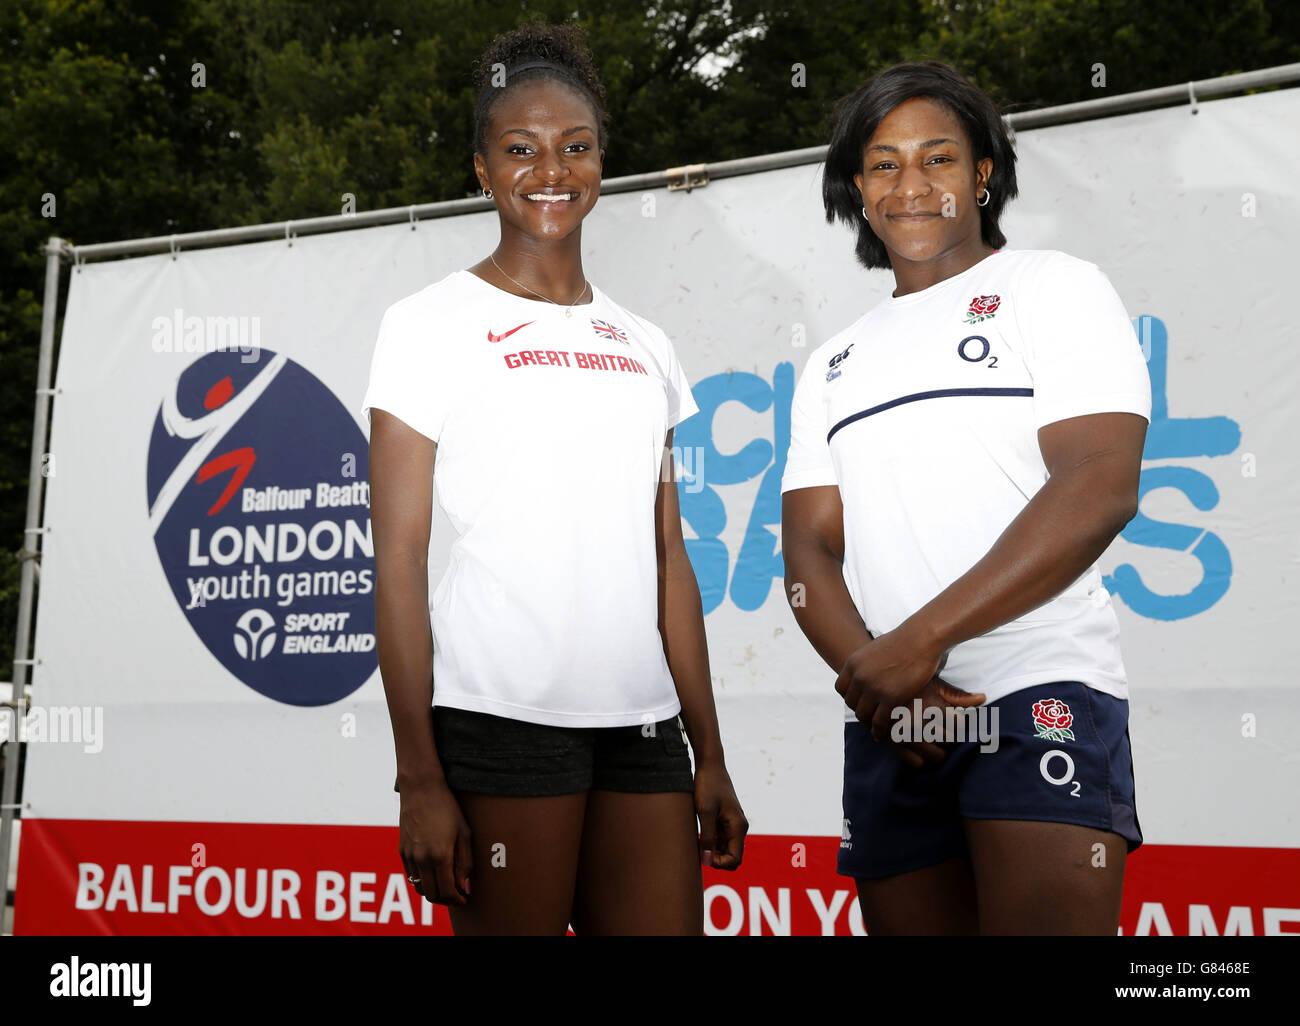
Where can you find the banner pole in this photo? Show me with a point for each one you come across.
(15, 708)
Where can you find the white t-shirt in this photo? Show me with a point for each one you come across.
(925, 412)
(550, 431)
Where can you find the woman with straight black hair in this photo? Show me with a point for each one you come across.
(961, 456)
(551, 785)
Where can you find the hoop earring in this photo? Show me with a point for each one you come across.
(864, 215)
(487, 193)
(986, 200)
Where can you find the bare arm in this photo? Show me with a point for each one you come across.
(434, 838)
(1094, 463)
(723, 825)
(812, 545)
(401, 513)
(681, 620)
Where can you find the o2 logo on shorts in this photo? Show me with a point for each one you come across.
(262, 524)
(1045, 766)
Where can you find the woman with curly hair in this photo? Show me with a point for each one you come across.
(550, 783)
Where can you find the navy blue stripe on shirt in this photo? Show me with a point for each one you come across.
(933, 394)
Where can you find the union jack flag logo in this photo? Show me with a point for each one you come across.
(606, 330)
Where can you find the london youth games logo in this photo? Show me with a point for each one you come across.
(262, 525)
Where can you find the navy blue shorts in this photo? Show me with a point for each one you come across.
(1062, 756)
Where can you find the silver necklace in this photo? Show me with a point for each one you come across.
(568, 311)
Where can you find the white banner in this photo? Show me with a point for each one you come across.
(205, 592)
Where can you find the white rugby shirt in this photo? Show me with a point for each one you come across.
(925, 412)
(550, 432)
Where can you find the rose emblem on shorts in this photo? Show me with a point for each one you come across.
(982, 308)
(1052, 720)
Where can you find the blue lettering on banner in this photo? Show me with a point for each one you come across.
(759, 559)
(1175, 438)
(702, 508)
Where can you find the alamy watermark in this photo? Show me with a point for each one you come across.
(75, 724)
(935, 724)
(193, 334)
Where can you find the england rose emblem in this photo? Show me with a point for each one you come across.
(1052, 720)
(982, 308)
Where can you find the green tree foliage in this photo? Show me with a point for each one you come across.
(147, 117)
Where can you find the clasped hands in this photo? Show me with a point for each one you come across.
(890, 671)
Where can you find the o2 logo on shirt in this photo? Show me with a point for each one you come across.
(263, 527)
(975, 349)
(835, 362)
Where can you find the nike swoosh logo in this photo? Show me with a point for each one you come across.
(506, 334)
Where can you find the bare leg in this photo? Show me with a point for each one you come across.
(1052, 879)
(639, 867)
(525, 863)
(937, 901)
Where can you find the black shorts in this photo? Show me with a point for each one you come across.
(485, 754)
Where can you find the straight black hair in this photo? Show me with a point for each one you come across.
(858, 115)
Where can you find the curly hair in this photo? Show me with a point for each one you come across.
(563, 45)
(858, 115)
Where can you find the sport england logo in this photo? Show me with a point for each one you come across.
(982, 308)
(254, 638)
(263, 527)
(835, 362)
(1052, 720)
